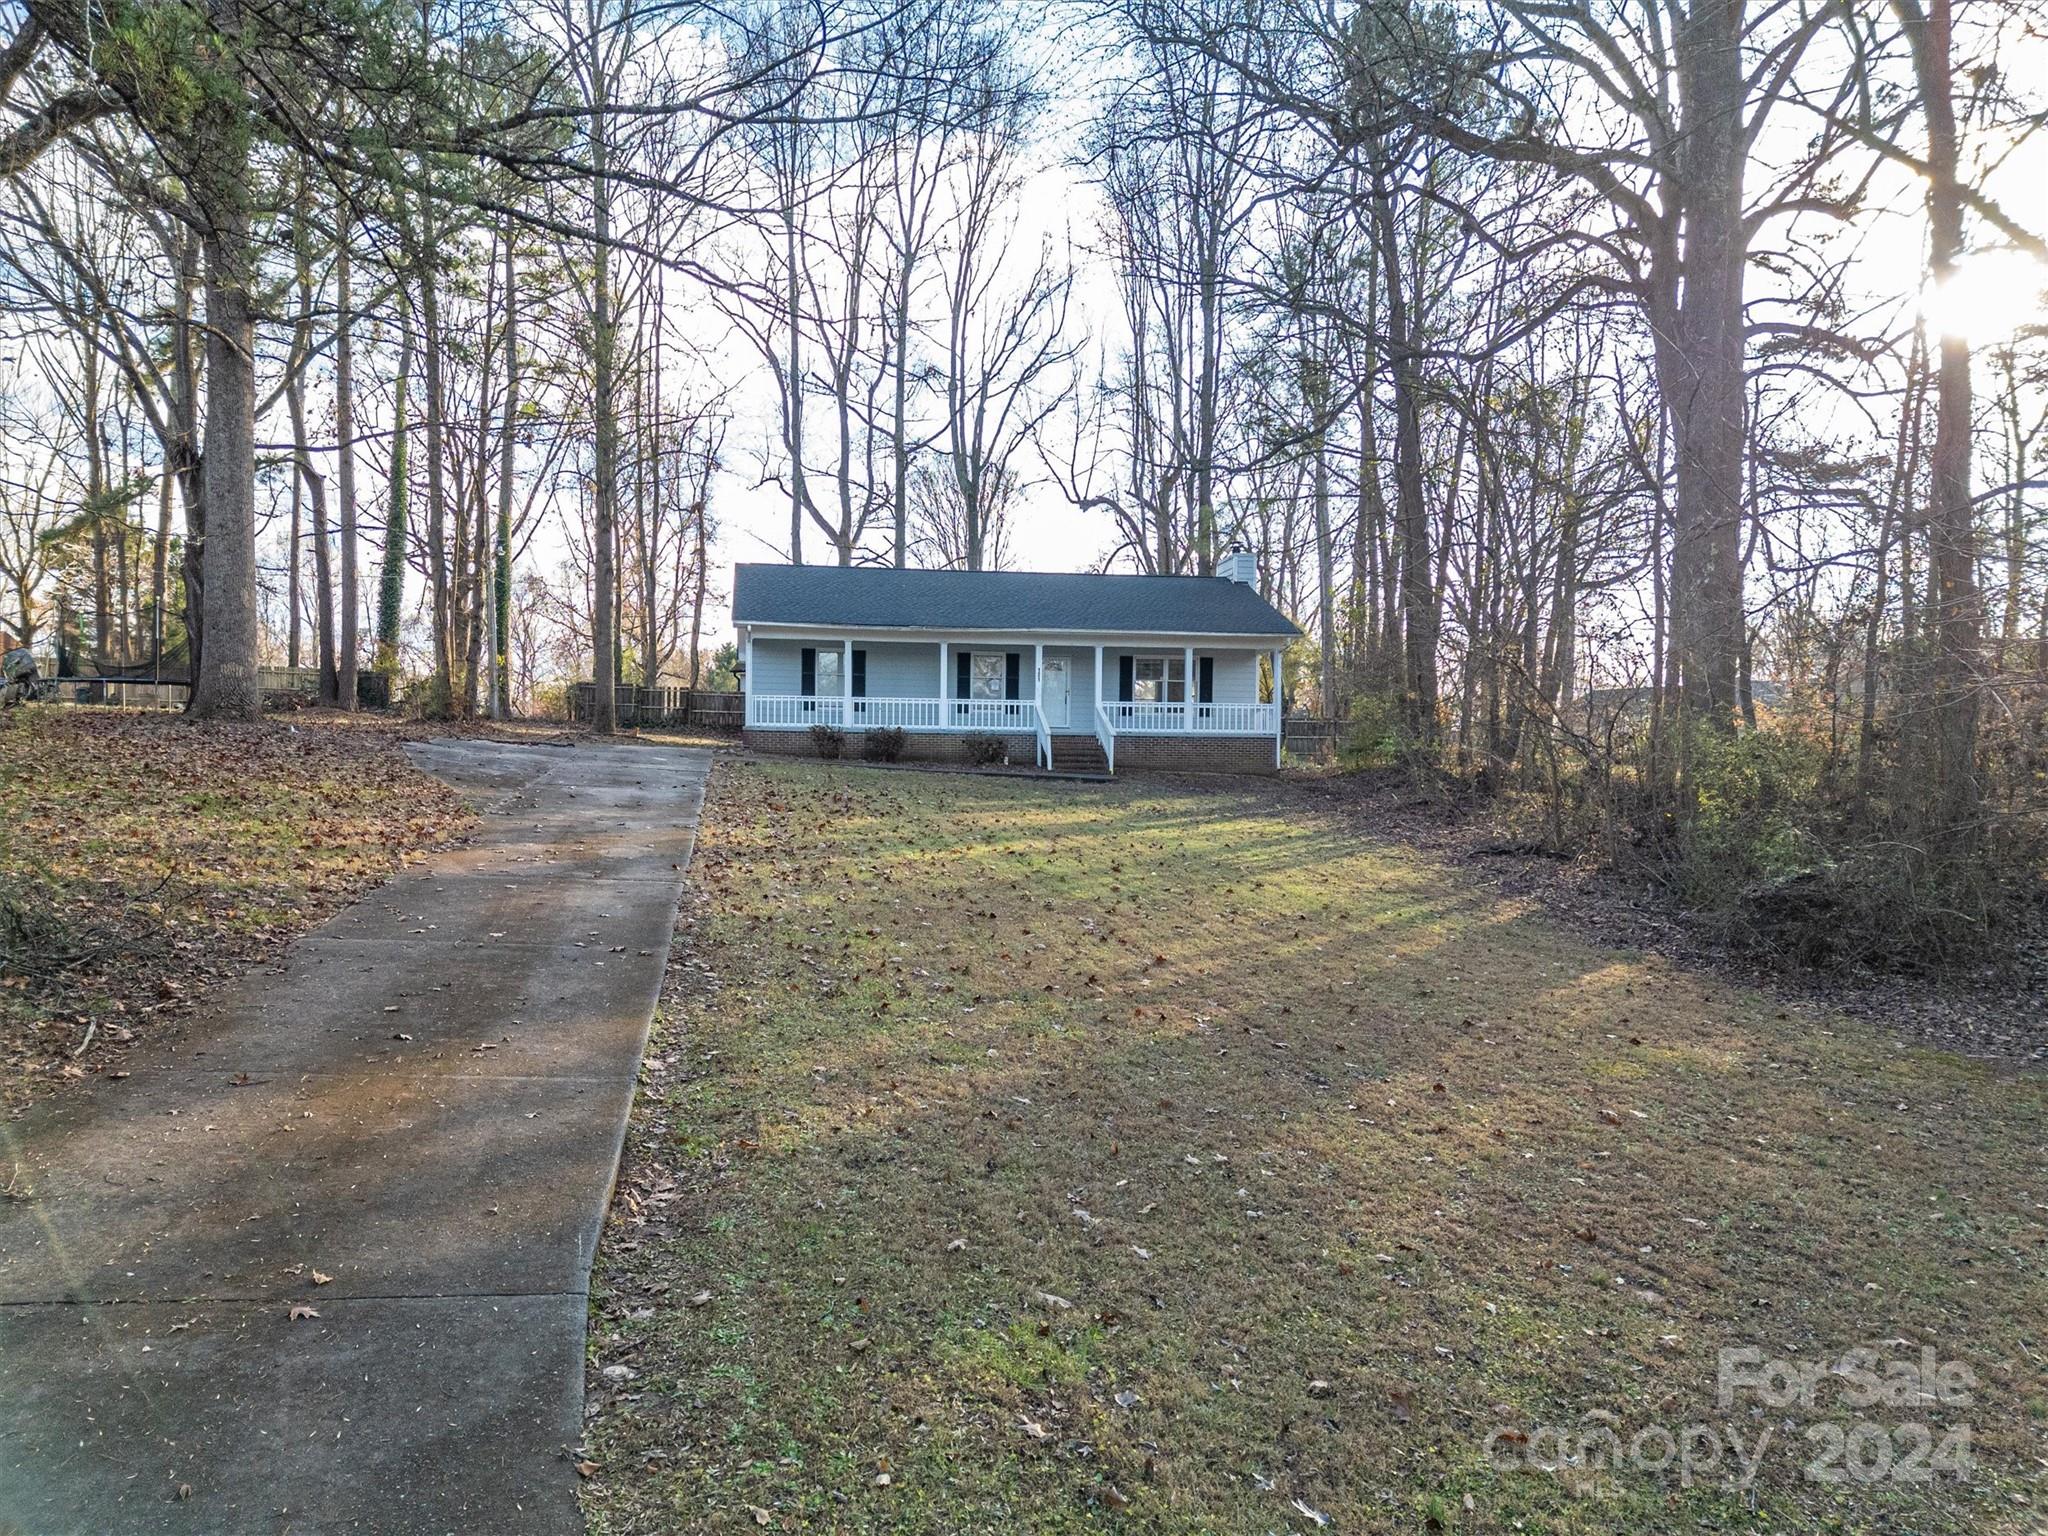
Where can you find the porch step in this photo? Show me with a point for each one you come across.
(1078, 754)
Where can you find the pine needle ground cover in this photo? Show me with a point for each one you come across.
(1017, 1157)
(141, 856)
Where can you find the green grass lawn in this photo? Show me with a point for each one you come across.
(1018, 1157)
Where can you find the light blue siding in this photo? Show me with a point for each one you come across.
(910, 670)
(895, 671)
(902, 671)
(777, 668)
(1236, 677)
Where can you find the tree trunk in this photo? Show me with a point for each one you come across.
(499, 593)
(437, 481)
(1419, 618)
(604, 719)
(323, 571)
(1951, 718)
(295, 535)
(391, 578)
(227, 687)
(1701, 370)
(345, 468)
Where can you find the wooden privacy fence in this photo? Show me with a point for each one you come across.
(1307, 736)
(706, 708)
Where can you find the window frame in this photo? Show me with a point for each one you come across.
(982, 666)
(1172, 675)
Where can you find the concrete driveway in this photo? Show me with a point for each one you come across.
(324, 1269)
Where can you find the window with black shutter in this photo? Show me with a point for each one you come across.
(1205, 680)
(1013, 674)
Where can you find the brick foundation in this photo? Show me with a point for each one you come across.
(917, 747)
(1170, 754)
(1195, 754)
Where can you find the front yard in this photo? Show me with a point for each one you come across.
(143, 856)
(1025, 1158)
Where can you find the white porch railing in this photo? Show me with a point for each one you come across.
(1192, 719)
(789, 711)
(774, 711)
(1106, 734)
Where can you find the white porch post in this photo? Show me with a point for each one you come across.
(845, 683)
(1187, 691)
(945, 713)
(1279, 706)
(1098, 688)
(1038, 695)
(747, 684)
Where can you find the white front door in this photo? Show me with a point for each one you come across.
(1052, 690)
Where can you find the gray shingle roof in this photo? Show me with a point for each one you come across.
(880, 597)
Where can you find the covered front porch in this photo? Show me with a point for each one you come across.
(1018, 686)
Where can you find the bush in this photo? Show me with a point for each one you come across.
(430, 699)
(984, 748)
(828, 740)
(1757, 814)
(884, 744)
(1372, 736)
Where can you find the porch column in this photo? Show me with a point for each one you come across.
(747, 684)
(1038, 665)
(846, 683)
(1187, 692)
(945, 712)
(1279, 706)
(1093, 723)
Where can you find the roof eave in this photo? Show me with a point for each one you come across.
(1292, 632)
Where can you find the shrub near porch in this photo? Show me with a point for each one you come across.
(1014, 1157)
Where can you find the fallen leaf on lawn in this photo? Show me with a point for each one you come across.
(1128, 1399)
(1036, 1430)
(701, 1299)
(1307, 1513)
(320, 1279)
(1113, 1496)
(586, 1469)
(300, 1312)
(957, 1245)
(1058, 1303)
(761, 1516)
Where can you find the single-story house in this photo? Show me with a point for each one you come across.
(1071, 671)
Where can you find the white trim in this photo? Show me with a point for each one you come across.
(1117, 637)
